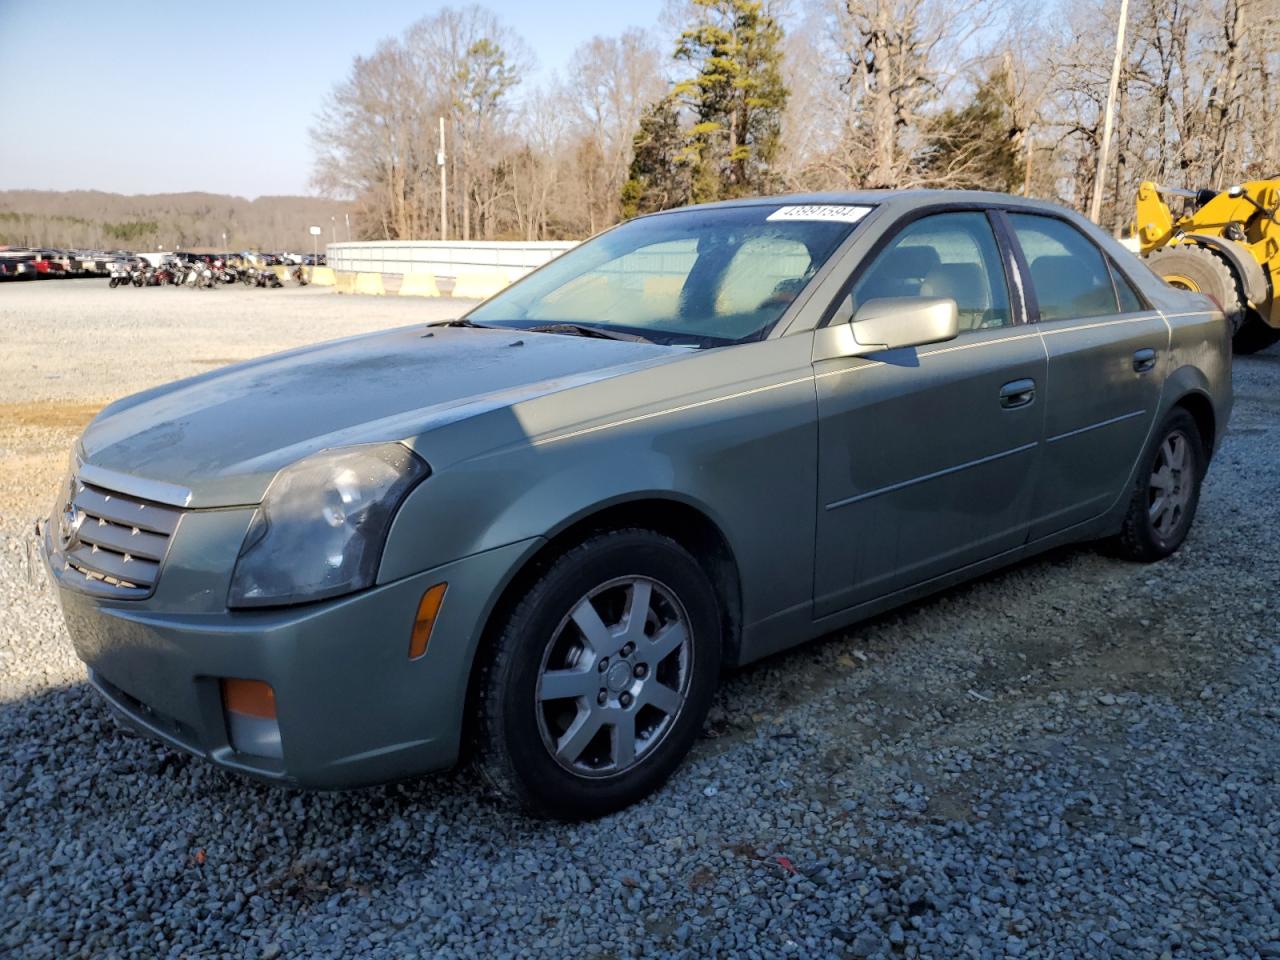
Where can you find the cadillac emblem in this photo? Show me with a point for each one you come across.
(69, 523)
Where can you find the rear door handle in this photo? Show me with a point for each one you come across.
(1144, 361)
(1017, 393)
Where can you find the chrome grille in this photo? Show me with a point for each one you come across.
(115, 541)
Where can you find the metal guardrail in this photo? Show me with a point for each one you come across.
(444, 258)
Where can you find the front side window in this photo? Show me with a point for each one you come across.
(705, 277)
(1070, 277)
(952, 255)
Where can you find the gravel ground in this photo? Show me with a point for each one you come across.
(1074, 758)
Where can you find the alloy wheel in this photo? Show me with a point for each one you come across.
(1169, 489)
(614, 677)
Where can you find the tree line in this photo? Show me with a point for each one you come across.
(741, 97)
(94, 220)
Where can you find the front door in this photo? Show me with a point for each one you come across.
(1106, 352)
(927, 456)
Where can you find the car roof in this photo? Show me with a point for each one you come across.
(901, 200)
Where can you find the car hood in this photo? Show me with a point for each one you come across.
(219, 438)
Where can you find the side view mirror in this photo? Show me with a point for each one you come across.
(1235, 192)
(889, 324)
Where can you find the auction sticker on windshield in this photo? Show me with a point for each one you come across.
(834, 212)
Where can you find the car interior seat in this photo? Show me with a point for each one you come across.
(1064, 293)
(967, 285)
(900, 275)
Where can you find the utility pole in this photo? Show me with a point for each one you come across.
(348, 216)
(1095, 208)
(333, 229)
(444, 189)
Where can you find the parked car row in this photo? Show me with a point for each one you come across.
(26, 263)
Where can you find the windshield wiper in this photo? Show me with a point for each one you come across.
(464, 322)
(582, 330)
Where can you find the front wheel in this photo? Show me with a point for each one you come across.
(1166, 492)
(600, 678)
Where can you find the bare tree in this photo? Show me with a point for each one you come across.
(470, 63)
(882, 93)
(536, 171)
(611, 81)
(368, 142)
(896, 61)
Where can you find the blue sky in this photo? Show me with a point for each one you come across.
(99, 96)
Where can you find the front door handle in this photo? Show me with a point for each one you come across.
(1018, 393)
(1144, 361)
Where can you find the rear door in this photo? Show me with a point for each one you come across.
(927, 455)
(1107, 351)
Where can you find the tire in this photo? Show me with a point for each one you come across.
(1146, 537)
(565, 756)
(1254, 336)
(1200, 270)
(114, 283)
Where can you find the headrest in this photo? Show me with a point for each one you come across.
(913, 262)
(962, 282)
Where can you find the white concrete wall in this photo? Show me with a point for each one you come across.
(444, 258)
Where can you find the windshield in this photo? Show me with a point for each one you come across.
(701, 276)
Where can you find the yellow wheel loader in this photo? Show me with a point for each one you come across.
(1225, 245)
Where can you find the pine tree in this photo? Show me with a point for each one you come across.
(976, 147)
(736, 97)
(657, 179)
(734, 103)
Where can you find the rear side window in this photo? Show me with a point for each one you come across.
(1070, 276)
(1130, 302)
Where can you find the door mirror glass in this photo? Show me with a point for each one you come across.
(891, 323)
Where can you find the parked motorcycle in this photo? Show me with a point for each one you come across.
(121, 275)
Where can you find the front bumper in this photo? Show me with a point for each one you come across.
(352, 708)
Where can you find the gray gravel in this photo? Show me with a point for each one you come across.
(1074, 758)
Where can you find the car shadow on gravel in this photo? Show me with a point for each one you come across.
(1070, 693)
(946, 729)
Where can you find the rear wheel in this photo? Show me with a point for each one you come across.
(600, 678)
(1166, 492)
(1200, 270)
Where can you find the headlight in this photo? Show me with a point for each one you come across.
(322, 525)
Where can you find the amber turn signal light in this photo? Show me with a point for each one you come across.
(250, 697)
(425, 621)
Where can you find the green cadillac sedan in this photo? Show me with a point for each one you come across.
(537, 535)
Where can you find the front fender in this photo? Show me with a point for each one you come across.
(745, 458)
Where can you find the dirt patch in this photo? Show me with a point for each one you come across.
(48, 415)
(35, 441)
